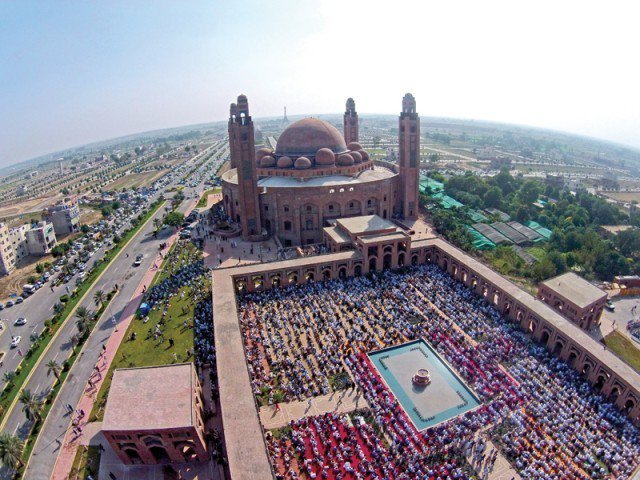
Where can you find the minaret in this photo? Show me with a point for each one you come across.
(351, 129)
(233, 111)
(409, 161)
(285, 120)
(243, 151)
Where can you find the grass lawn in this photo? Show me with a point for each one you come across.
(205, 196)
(147, 351)
(87, 462)
(624, 348)
(538, 252)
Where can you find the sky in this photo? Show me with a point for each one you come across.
(74, 72)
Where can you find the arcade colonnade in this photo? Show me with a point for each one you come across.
(608, 374)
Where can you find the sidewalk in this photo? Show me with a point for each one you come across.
(344, 401)
(71, 442)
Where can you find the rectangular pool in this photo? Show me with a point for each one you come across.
(446, 397)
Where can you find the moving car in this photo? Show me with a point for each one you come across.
(15, 341)
(20, 321)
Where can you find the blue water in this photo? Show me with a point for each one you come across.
(446, 397)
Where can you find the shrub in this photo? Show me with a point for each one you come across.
(64, 298)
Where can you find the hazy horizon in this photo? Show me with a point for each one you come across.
(76, 73)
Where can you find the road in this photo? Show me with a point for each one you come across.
(121, 272)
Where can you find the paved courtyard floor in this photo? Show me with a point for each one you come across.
(344, 401)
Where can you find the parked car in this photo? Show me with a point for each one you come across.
(10, 304)
(19, 300)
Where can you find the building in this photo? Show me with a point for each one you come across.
(18, 237)
(314, 176)
(154, 415)
(7, 254)
(41, 238)
(65, 216)
(381, 241)
(575, 298)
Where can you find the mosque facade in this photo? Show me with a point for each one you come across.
(316, 175)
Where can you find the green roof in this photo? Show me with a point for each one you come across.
(479, 241)
(477, 216)
(545, 232)
(446, 201)
(434, 185)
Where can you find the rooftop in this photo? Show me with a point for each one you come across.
(150, 398)
(369, 175)
(575, 289)
(365, 224)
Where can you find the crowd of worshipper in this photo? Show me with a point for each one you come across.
(297, 338)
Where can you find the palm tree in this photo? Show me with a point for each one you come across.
(30, 405)
(53, 367)
(58, 307)
(11, 450)
(99, 298)
(84, 316)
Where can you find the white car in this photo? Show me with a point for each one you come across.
(15, 341)
(20, 321)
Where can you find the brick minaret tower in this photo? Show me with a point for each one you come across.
(233, 112)
(409, 162)
(351, 129)
(243, 152)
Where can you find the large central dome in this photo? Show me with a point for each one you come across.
(305, 137)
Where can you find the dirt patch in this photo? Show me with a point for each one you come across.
(136, 180)
(26, 267)
(623, 196)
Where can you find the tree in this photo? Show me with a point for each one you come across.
(31, 405)
(628, 242)
(174, 219)
(493, 198)
(11, 450)
(99, 298)
(529, 191)
(106, 211)
(58, 307)
(83, 316)
(84, 228)
(54, 367)
(39, 268)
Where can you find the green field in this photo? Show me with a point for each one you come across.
(624, 348)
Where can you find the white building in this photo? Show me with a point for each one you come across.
(7, 254)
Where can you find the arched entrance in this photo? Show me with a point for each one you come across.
(600, 381)
(557, 349)
(414, 260)
(628, 406)
(133, 456)
(326, 274)
(572, 359)
(357, 271)
(159, 454)
(401, 260)
(342, 272)
(386, 261)
(310, 277)
(544, 338)
(372, 264)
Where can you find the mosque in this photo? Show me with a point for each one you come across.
(316, 175)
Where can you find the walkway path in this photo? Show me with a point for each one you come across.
(502, 469)
(64, 462)
(344, 401)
